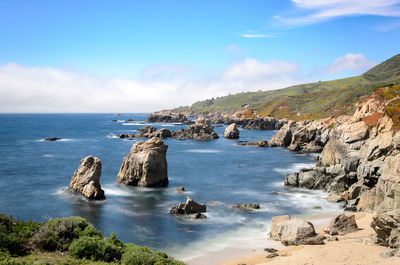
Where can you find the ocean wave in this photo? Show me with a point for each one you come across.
(112, 135)
(111, 190)
(294, 168)
(48, 155)
(205, 151)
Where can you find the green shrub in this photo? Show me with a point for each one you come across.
(137, 255)
(96, 248)
(14, 235)
(57, 234)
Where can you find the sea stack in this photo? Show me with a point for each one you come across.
(145, 165)
(231, 132)
(86, 179)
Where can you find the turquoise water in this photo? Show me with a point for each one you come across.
(34, 173)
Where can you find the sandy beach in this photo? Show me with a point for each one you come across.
(352, 248)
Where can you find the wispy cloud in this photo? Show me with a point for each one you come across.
(388, 27)
(350, 62)
(254, 34)
(313, 11)
(43, 89)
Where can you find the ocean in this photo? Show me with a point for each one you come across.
(34, 175)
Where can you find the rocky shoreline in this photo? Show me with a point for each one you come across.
(359, 161)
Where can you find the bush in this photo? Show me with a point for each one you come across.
(137, 255)
(96, 248)
(57, 234)
(14, 235)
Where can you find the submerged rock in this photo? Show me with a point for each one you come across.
(247, 206)
(189, 207)
(51, 139)
(145, 165)
(180, 189)
(231, 132)
(86, 180)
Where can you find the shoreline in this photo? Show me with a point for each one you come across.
(352, 248)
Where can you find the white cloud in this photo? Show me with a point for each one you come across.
(350, 62)
(387, 27)
(43, 89)
(250, 36)
(319, 10)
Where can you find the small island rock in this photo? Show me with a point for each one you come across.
(231, 132)
(189, 207)
(86, 180)
(145, 165)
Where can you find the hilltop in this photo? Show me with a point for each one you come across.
(307, 101)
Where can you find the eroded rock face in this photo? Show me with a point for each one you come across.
(342, 224)
(86, 179)
(247, 206)
(145, 165)
(189, 207)
(231, 132)
(294, 231)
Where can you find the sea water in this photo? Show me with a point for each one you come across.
(34, 175)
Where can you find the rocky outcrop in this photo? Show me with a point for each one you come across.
(267, 123)
(294, 231)
(178, 118)
(86, 179)
(147, 132)
(201, 130)
(189, 207)
(341, 224)
(231, 132)
(305, 136)
(387, 228)
(145, 165)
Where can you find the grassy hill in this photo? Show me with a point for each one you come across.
(307, 101)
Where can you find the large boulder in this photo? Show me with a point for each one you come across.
(341, 224)
(231, 132)
(189, 207)
(387, 228)
(294, 231)
(86, 179)
(145, 165)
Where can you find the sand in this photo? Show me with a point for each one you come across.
(352, 248)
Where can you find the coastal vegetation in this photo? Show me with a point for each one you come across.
(70, 240)
(307, 101)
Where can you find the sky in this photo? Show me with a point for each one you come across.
(142, 56)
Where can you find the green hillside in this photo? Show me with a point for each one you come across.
(307, 101)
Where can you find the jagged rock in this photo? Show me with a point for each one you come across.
(342, 224)
(145, 165)
(231, 132)
(86, 179)
(168, 118)
(200, 216)
(267, 123)
(180, 189)
(294, 231)
(270, 250)
(247, 206)
(387, 228)
(260, 143)
(51, 139)
(201, 130)
(189, 207)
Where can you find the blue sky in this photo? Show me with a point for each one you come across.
(148, 55)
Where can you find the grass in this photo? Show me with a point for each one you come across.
(307, 101)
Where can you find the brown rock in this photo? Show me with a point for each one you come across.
(189, 207)
(145, 165)
(231, 132)
(342, 224)
(86, 179)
